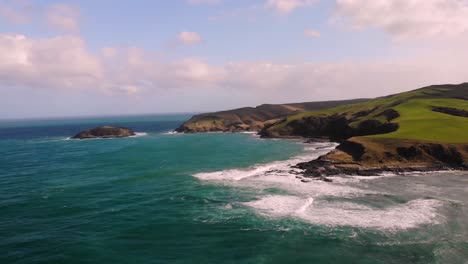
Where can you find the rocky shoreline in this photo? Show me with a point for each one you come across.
(357, 158)
(403, 157)
(320, 169)
(415, 131)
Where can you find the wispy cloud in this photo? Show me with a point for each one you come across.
(45, 63)
(65, 62)
(59, 62)
(311, 33)
(406, 19)
(189, 38)
(15, 11)
(288, 6)
(63, 17)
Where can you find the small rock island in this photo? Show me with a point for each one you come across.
(105, 132)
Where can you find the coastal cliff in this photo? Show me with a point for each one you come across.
(419, 130)
(424, 129)
(370, 156)
(252, 118)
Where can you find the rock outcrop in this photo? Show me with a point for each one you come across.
(335, 127)
(418, 130)
(252, 118)
(105, 132)
(450, 111)
(371, 156)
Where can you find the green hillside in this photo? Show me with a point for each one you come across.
(253, 118)
(435, 113)
(419, 121)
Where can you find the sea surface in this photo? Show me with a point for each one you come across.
(161, 197)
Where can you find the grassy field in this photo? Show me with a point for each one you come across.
(418, 121)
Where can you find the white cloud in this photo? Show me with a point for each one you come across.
(60, 62)
(15, 11)
(189, 38)
(64, 63)
(274, 82)
(312, 33)
(63, 17)
(288, 6)
(405, 19)
(109, 52)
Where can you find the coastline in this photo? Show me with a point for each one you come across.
(278, 190)
(324, 166)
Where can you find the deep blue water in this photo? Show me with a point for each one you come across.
(149, 199)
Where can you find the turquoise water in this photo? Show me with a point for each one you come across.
(209, 198)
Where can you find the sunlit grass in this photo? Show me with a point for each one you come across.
(417, 120)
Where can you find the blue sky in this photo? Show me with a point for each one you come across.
(64, 58)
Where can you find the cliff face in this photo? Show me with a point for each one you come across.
(423, 129)
(369, 156)
(252, 118)
(334, 127)
(104, 132)
(438, 107)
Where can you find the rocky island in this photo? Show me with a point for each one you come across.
(105, 132)
(419, 130)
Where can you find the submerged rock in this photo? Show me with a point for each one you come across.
(105, 132)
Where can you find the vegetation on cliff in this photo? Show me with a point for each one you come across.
(416, 130)
(409, 115)
(252, 118)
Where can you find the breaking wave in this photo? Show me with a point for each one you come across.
(319, 202)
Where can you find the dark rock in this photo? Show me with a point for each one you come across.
(334, 127)
(354, 149)
(409, 152)
(373, 127)
(390, 114)
(326, 179)
(317, 140)
(446, 155)
(362, 113)
(105, 132)
(450, 111)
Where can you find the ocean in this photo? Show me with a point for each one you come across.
(161, 197)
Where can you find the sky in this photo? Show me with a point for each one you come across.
(82, 58)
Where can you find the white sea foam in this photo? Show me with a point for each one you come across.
(280, 175)
(172, 133)
(275, 168)
(410, 215)
(140, 134)
(303, 199)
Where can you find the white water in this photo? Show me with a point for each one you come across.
(172, 133)
(140, 134)
(405, 216)
(311, 201)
